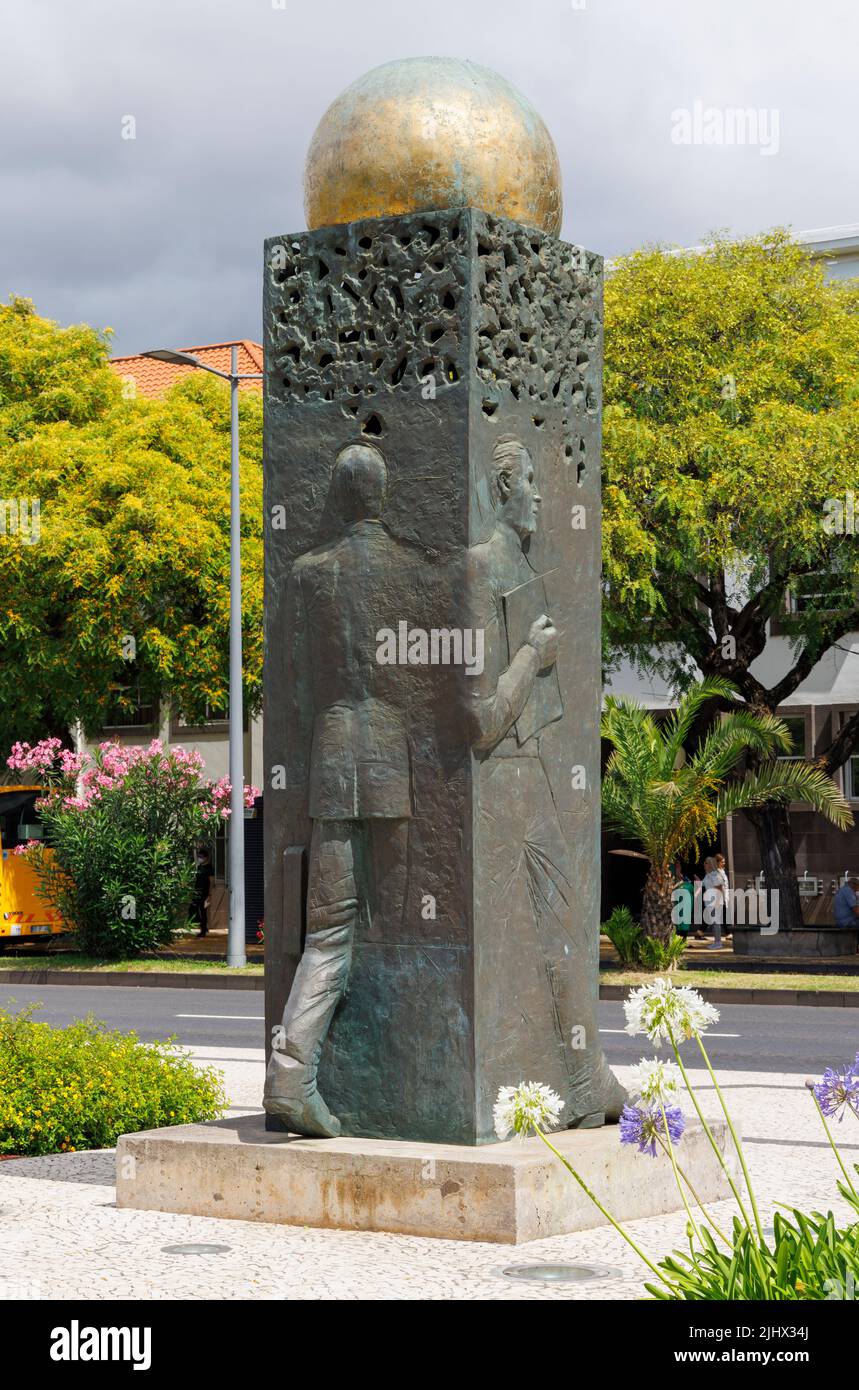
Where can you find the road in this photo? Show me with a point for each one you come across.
(748, 1037)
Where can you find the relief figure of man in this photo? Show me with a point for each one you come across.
(543, 1022)
(348, 768)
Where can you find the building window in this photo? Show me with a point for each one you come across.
(128, 710)
(823, 592)
(216, 713)
(796, 728)
(216, 716)
(19, 819)
(851, 778)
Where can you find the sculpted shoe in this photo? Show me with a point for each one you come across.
(309, 1116)
(610, 1094)
(597, 1093)
(593, 1121)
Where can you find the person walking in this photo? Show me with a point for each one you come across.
(202, 888)
(717, 896)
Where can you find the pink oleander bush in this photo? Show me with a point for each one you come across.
(120, 827)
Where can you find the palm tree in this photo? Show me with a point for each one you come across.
(667, 800)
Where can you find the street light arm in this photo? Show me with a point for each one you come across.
(183, 359)
(187, 359)
(225, 376)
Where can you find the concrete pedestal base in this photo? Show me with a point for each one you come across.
(511, 1192)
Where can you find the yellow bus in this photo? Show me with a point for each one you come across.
(24, 916)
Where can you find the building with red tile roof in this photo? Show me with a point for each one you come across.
(152, 378)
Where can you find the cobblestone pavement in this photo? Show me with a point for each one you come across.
(62, 1237)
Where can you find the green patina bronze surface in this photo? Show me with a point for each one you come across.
(432, 435)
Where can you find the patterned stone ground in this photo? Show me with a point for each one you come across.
(62, 1237)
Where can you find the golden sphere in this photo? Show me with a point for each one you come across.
(425, 133)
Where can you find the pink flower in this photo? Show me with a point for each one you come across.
(39, 758)
(221, 794)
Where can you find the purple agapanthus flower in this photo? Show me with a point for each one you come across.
(839, 1091)
(641, 1124)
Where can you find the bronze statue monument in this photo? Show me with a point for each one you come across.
(432, 672)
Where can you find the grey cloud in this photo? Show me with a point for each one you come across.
(161, 237)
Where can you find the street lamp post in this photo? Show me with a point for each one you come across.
(236, 935)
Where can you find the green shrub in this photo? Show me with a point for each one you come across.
(660, 955)
(624, 935)
(63, 1089)
(635, 948)
(808, 1258)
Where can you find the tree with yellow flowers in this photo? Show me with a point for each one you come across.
(114, 587)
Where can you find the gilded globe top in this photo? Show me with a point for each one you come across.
(427, 133)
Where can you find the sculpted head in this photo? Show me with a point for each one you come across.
(514, 486)
(360, 482)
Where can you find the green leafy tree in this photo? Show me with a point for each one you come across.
(669, 801)
(117, 593)
(731, 439)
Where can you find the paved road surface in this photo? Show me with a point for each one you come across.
(747, 1038)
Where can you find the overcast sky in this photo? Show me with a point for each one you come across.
(160, 237)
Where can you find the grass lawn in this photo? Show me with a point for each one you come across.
(723, 979)
(734, 979)
(168, 964)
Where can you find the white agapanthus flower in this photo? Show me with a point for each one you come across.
(519, 1108)
(663, 1010)
(655, 1082)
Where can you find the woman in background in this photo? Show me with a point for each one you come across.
(717, 896)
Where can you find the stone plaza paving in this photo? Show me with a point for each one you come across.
(61, 1235)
